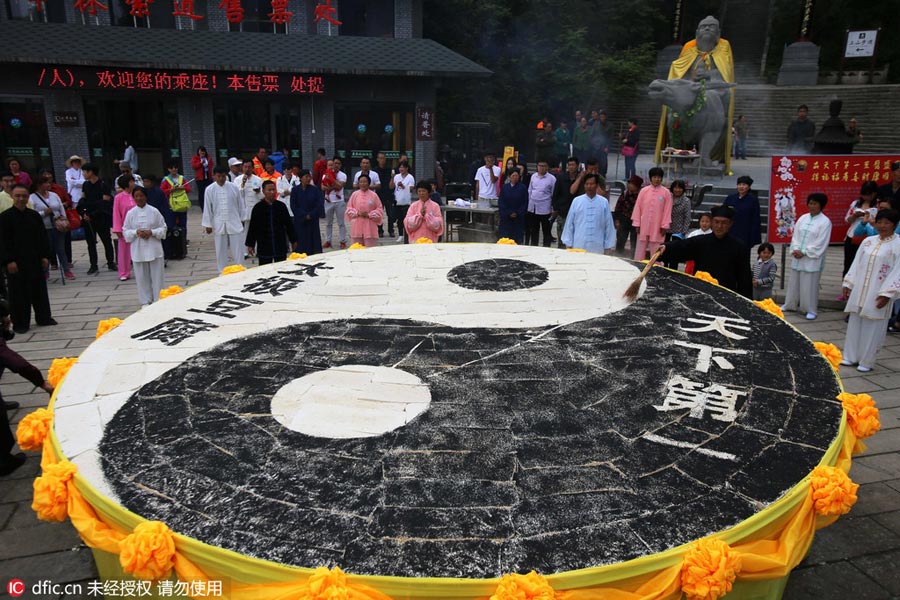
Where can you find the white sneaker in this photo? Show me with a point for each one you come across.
(784, 308)
(123, 279)
(847, 363)
(863, 369)
(399, 239)
(810, 316)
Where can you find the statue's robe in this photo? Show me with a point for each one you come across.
(718, 59)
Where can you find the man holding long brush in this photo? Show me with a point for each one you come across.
(721, 254)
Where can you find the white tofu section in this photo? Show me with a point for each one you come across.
(351, 401)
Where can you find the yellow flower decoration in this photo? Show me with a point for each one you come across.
(523, 587)
(170, 291)
(771, 306)
(709, 570)
(233, 269)
(149, 552)
(326, 584)
(33, 429)
(833, 492)
(58, 369)
(862, 416)
(106, 325)
(51, 492)
(578, 250)
(706, 277)
(831, 353)
(296, 256)
(425, 240)
(356, 246)
(507, 242)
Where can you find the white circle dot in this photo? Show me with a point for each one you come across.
(351, 401)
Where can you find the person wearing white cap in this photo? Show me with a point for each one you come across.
(234, 169)
(74, 178)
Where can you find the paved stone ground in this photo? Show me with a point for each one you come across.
(855, 557)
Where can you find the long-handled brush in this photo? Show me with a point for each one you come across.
(631, 293)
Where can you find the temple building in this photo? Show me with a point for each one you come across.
(352, 76)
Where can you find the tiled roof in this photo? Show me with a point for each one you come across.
(53, 43)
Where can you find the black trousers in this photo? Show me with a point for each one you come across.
(99, 225)
(27, 290)
(202, 184)
(267, 260)
(625, 231)
(6, 436)
(534, 223)
(400, 217)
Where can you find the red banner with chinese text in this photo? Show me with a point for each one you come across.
(838, 176)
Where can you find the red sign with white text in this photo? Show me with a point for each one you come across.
(151, 80)
(838, 176)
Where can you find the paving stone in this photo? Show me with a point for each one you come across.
(873, 498)
(882, 568)
(851, 537)
(885, 441)
(6, 512)
(889, 464)
(16, 490)
(833, 581)
(58, 567)
(43, 538)
(861, 385)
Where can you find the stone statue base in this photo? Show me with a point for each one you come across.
(799, 65)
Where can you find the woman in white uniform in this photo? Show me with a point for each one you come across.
(808, 245)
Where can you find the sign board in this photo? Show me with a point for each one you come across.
(65, 118)
(19, 150)
(860, 44)
(163, 80)
(360, 154)
(175, 152)
(424, 123)
(97, 152)
(838, 176)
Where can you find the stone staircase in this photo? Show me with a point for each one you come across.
(744, 26)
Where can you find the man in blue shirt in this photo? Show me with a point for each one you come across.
(589, 225)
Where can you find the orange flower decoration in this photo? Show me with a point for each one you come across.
(523, 587)
(831, 353)
(170, 291)
(862, 416)
(58, 369)
(33, 429)
(771, 306)
(149, 552)
(833, 492)
(104, 326)
(233, 269)
(709, 570)
(424, 240)
(507, 242)
(356, 246)
(51, 492)
(296, 256)
(326, 584)
(706, 277)
(578, 250)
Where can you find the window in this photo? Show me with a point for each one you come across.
(52, 12)
(256, 18)
(367, 18)
(23, 134)
(361, 129)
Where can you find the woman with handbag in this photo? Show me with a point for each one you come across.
(71, 215)
(630, 147)
(49, 205)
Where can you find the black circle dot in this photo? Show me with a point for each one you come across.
(498, 275)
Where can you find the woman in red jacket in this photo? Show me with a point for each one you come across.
(203, 166)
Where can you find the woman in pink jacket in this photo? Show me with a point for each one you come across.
(424, 220)
(652, 215)
(365, 214)
(122, 203)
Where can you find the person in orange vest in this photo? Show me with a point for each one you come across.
(259, 163)
(269, 173)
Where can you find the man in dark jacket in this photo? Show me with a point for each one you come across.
(25, 256)
(157, 199)
(721, 254)
(545, 143)
(270, 227)
(96, 211)
(563, 196)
